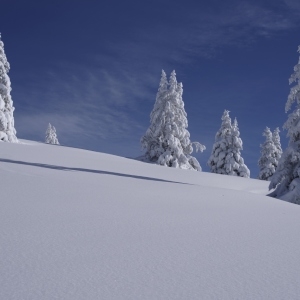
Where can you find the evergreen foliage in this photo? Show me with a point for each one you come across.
(7, 127)
(51, 137)
(268, 160)
(226, 153)
(167, 140)
(286, 179)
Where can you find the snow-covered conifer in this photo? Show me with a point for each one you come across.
(239, 166)
(268, 160)
(286, 179)
(226, 153)
(51, 137)
(276, 140)
(7, 127)
(48, 137)
(167, 140)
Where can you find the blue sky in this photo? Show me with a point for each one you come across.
(92, 68)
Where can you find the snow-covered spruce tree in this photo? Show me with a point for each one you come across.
(216, 161)
(276, 140)
(268, 160)
(226, 153)
(167, 140)
(286, 179)
(7, 127)
(51, 137)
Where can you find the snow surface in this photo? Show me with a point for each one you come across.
(76, 224)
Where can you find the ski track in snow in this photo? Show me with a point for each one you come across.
(76, 224)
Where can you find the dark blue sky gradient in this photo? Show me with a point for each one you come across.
(92, 68)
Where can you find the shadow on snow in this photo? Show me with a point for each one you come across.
(61, 168)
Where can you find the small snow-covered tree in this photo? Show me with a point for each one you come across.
(7, 127)
(48, 137)
(167, 140)
(51, 137)
(268, 160)
(286, 179)
(217, 161)
(226, 153)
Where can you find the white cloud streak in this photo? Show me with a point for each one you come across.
(77, 101)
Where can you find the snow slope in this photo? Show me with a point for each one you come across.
(76, 224)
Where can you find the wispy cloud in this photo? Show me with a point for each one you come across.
(34, 125)
(203, 30)
(293, 5)
(93, 102)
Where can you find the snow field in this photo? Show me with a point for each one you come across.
(76, 224)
